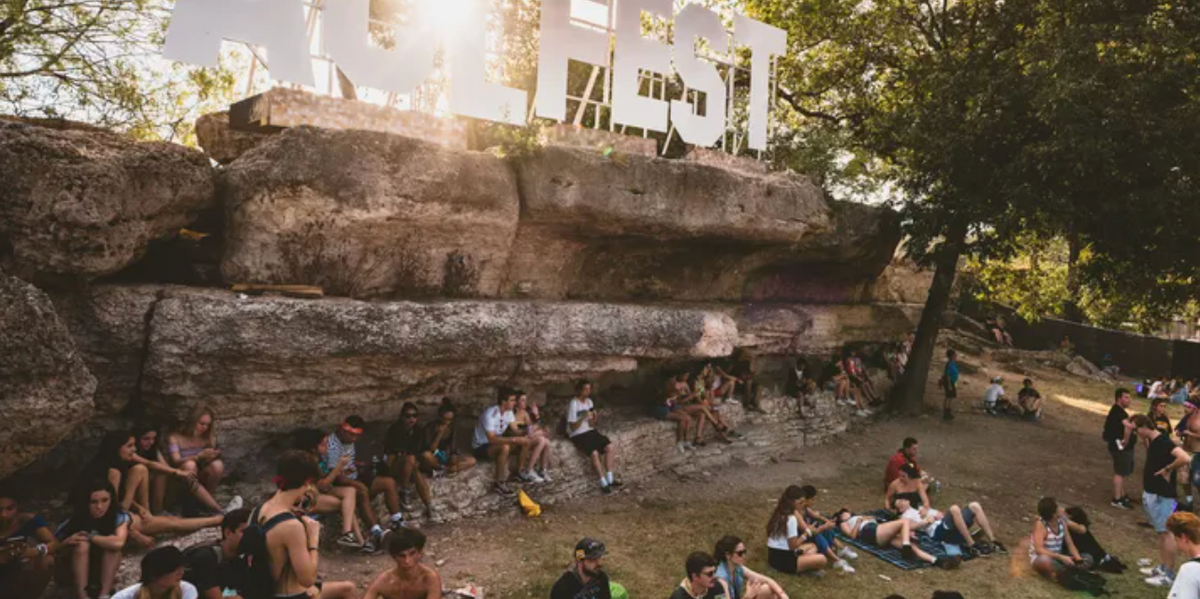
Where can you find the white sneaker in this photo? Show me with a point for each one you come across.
(530, 477)
(681, 446)
(545, 474)
(1159, 581)
(733, 402)
(1153, 572)
(862, 413)
(844, 566)
(847, 553)
(234, 504)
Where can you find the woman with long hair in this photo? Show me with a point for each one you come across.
(441, 453)
(147, 453)
(95, 533)
(790, 547)
(193, 448)
(528, 422)
(741, 582)
(897, 533)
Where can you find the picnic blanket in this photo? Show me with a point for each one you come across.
(892, 555)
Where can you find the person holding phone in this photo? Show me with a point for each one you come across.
(490, 443)
(26, 552)
(581, 426)
(1051, 550)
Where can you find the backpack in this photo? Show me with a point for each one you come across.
(255, 559)
(1079, 579)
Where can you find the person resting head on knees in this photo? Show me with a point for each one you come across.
(791, 548)
(585, 577)
(26, 552)
(897, 533)
(739, 581)
(162, 577)
(408, 578)
(93, 536)
(440, 456)
(701, 579)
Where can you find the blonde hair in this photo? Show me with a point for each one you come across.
(189, 425)
(1184, 524)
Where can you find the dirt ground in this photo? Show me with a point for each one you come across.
(1005, 464)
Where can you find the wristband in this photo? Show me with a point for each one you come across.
(42, 549)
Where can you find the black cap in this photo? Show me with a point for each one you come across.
(589, 548)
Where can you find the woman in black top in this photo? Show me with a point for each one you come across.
(441, 453)
(908, 486)
(95, 532)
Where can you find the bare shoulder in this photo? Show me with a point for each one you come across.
(431, 577)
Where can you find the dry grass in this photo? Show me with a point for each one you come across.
(1005, 464)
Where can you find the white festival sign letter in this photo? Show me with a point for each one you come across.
(471, 94)
(633, 54)
(764, 42)
(399, 70)
(561, 41)
(693, 22)
(198, 26)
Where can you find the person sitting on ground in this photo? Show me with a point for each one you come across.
(949, 384)
(440, 456)
(292, 538)
(1158, 390)
(801, 387)
(954, 527)
(1185, 529)
(585, 578)
(491, 444)
(398, 470)
(27, 547)
(1163, 459)
(1050, 539)
(859, 377)
(332, 499)
(148, 454)
(581, 426)
(994, 401)
(675, 409)
(821, 531)
(94, 534)
(1030, 401)
(788, 550)
(527, 422)
(369, 481)
(1158, 413)
(162, 577)
(213, 567)
(1094, 556)
(409, 578)
(701, 579)
(897, 533)
(193, 448)
(739, 581)
(1182, 392)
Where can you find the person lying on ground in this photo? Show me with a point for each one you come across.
(1163, 459)
(331, 499)
(95, 533)
(674, 408)
(525, 423)
(790, 548)
(1094, 556)
(1030, 401)
(163, 476)
(409, 578)
(1185, 528)
(1051, 550)
(700, 581)
(398, 471)
(897, 533)
(738, 580)
(162, 577)
(490, 443)
(581, 426)
(27, 548)
(213, 567)
(440, 456)
(292, 538)
(585, 578)
(193, 448)
(821, 530)
(370, 481)
(954, 527)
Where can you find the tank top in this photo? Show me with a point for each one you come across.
(913, 497)
(1054, 540)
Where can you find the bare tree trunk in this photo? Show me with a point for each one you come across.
(1071, 309)
(909, 394)
(346, 86)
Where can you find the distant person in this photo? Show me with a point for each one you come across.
(1030, 401)
(213, 567)
(491, 444)
(1108, 365)
(585, 578)
(739, 581)
(94, 534)
(701, 579)
(996, 326)
(1066, 346)
(1158, 390)
(859, 377)
(994, 402)
(1185, 529)
(897, 533)
(408, 578)
(162, 577)
(1158, 413)
(949, 383)
(581, 426)
(441, 456)
(1051, 550)
(672, 408)
(27, 552)
(528, 422)
(1163, 458)
(1118, 434)
(800, 387)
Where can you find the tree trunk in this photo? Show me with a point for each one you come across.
(909, 394)
(346, 86)
(1071, 309)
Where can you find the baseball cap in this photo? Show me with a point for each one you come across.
(997, 379)
(589, 548)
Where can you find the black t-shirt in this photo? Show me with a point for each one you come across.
(446, 443)
(716, 592)
(204, 568)
(1114, 430)
(408, 441)
(570, 587)
(1031, 393)
(1158, 456)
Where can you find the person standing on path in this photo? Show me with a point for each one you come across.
(1163, 458)
(1118, 434)
(950, 384)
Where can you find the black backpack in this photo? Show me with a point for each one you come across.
(1079, 579)
(255, 559)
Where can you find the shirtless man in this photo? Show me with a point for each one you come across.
(293, 538)
(410, 579)
(1190, 436)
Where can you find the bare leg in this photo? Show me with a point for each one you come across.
(596, 464)
(809, 559)
(982, 520)
(136, 478)
(1046, 567)
(608, 457)
(537, 446)
(422, 488)
(499, 453)
(79, 567)
(391, 494)
(1166, 551)
(349, 500)
(338, 590)
(109, 564)
(212, 475)
(429, 462)
(160, 525)
(364, 500)
(158, 492)
(460, 463)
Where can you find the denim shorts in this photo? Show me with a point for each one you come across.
(1158, 509)
(946, 532)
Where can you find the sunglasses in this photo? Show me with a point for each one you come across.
(740, 553)
(410, 416)
(708, 573)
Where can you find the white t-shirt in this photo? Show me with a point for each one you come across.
(914, 515)
(993, 393)
(1187, 582)
(793, 530)
(494, 421)
(577, 410)
(189, 591)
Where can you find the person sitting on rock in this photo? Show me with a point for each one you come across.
(860, 378)
(440, 456)
(995, 326)
(367, 480)
(585, 578)
(193, 448)
(408, 578)
(332, 499)
(701, 579)
(93, 536)
(739, 581)
(162, 474)
(162, 577)
(801, 387)
(1030, 401)
(677, 407)
(954, 527)
(581, 426)
(402, 445)
(844, 392)
(897, 533)
(213, 567)
(703, 389)
(27, 547)
(526, 422)
(791, 548)
(491, 444)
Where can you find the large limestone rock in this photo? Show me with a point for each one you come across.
(222, 143)
(83, 204)
(45, 390)
(792, 329)
(368, 215)
(902, 282)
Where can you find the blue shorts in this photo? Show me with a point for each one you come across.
(946, 532)
(442, 457)
(661, 411)
(823, 541)
(1158, 509)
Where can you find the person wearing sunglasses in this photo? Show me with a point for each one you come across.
(701, 581)
(404, 441)
(440, 456)
(738, 581)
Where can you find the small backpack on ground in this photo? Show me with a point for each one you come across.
(255, 559)
(1079, 579)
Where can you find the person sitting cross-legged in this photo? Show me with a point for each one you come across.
(739, 581)
(581, 425)
(409, 578)
(1030, 401)
(897, 533)
(701, 579)
(491, 444)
